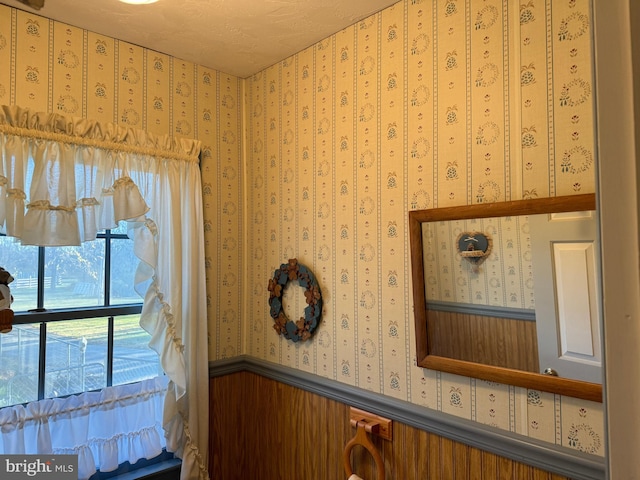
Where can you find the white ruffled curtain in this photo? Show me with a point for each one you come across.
(63, 179)
(104, 429)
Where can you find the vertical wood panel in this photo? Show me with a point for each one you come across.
(475, 464)
(505, 468)
(315, 432)
(461, 457)
(446, 458)
(521, 472)
(265, 430)
(421, 446)
(387, 449)
(489, 465)
(540, 475)
(405, 441)
(227, 429)
(502, 342)
(434, 457)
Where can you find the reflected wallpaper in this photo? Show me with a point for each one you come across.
(504, 278)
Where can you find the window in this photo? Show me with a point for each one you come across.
(76, 319)
(52, 168)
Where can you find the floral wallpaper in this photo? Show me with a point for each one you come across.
(428, 103)
(53, 67)
(425, 104)
(504, 278)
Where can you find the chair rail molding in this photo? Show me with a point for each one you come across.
(555, 459)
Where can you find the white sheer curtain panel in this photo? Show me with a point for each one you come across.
(104, 429)
(63, 179)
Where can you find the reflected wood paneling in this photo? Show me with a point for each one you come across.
(264, 430)
(508, 376)
(502, 342)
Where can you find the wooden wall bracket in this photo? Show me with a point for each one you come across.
(384, 424)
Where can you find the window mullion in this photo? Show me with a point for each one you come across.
(42, 353)
(41, 262)
(110, 330)
(107, 268)
(42, 360)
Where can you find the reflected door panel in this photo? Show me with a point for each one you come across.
(565, 270)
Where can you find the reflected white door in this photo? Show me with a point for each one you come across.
(565, 257)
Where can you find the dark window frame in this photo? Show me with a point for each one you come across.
(42, 316)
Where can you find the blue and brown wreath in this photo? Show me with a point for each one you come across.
(305, 326)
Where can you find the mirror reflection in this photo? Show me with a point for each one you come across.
(511, 289)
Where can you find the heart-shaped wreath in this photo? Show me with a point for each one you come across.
(305, 326)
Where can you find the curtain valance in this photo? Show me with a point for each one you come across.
(64, 179)
(90, 133)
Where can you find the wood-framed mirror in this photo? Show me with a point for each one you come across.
(496, 286)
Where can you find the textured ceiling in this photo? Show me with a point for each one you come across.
(238, 37)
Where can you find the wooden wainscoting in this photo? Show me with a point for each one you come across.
(262, 429)
(503, 342)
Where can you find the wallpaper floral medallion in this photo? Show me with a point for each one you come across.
(53, 67)
(425, 104)
(428, 103)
